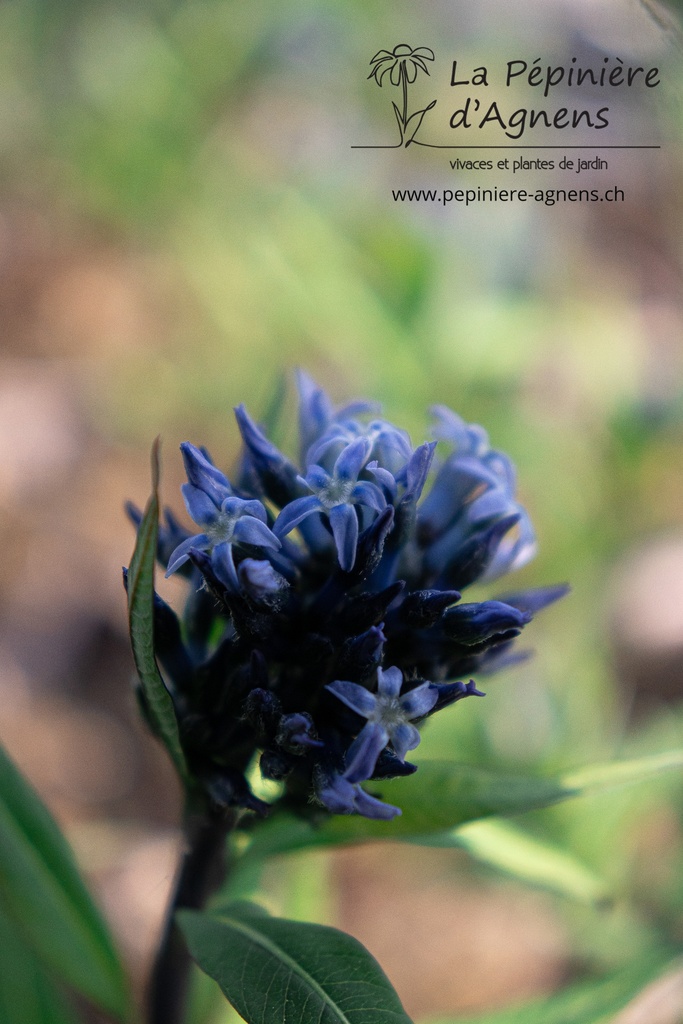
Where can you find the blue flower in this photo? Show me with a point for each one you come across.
(280, 657)
(340, 796)
(389, 718)
(227, 521)
(336, 495)
(470, 523)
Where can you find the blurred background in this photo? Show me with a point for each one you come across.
(182, 218)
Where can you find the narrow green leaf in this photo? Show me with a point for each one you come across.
(509, 849)
(592, 1002)
(283, 972)
(141, 623)
(621, 773)
(27, 995)
(441, 796)
(43, 893)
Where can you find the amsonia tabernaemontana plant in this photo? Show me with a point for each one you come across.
(324, 624)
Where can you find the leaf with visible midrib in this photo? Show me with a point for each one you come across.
(42, 892)
(283, 972)
(141, 622)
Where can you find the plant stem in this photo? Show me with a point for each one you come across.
(202, 869)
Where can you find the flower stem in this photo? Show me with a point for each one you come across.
(202, 869)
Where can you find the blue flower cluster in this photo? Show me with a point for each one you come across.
(324, 622)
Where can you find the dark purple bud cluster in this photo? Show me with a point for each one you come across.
(324, 623)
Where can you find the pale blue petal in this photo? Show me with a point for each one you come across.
(252, 531)
(389, 681)
(294, 513)
(404, 737)
(223, 565)
(202, 473)
(199, 505)
(317, 478)
(384, 478)
(344, 523)
(251, 507)
(371, 807)
(352, 459)
(339, 796)
(354, 696)
(362, 755)
(492, 503)
(419, 701)
(365, 493)
(182, 552)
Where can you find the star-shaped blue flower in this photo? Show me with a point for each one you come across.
(227, 520)
(335, 496)
(389, 716)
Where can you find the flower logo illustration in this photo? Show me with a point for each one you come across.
(402, 65)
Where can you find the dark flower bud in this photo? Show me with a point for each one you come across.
(474, 623)
(275, 765)
(472, 557)
(371, 545)
(296, 733)
(424, 608)
(229, 788)
(389, 766)
(369, 609)
(262, 710)
(361, 655)
(449, 693)
(261, 582)
(277, 475)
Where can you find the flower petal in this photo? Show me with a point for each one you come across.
(404, 737)
(317, 478)
(389, 681)
(199, 505)
(362, 755)
(252, 531)
(344, 523)
(182, 552)
(365, 493)
(371, 807)
(419, 701)
(339, 796)
(315, 410)
(352, 459)
(294, 513)
(397, 72)
(354, 696)
(384, 478)
(202, 473)
(223, 565)
(410, 70)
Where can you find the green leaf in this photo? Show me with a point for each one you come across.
(141, 623)
(283, 972)
(43, 893)
(592, 1002)
(442, 795)
(27, 995)
(509, 849)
